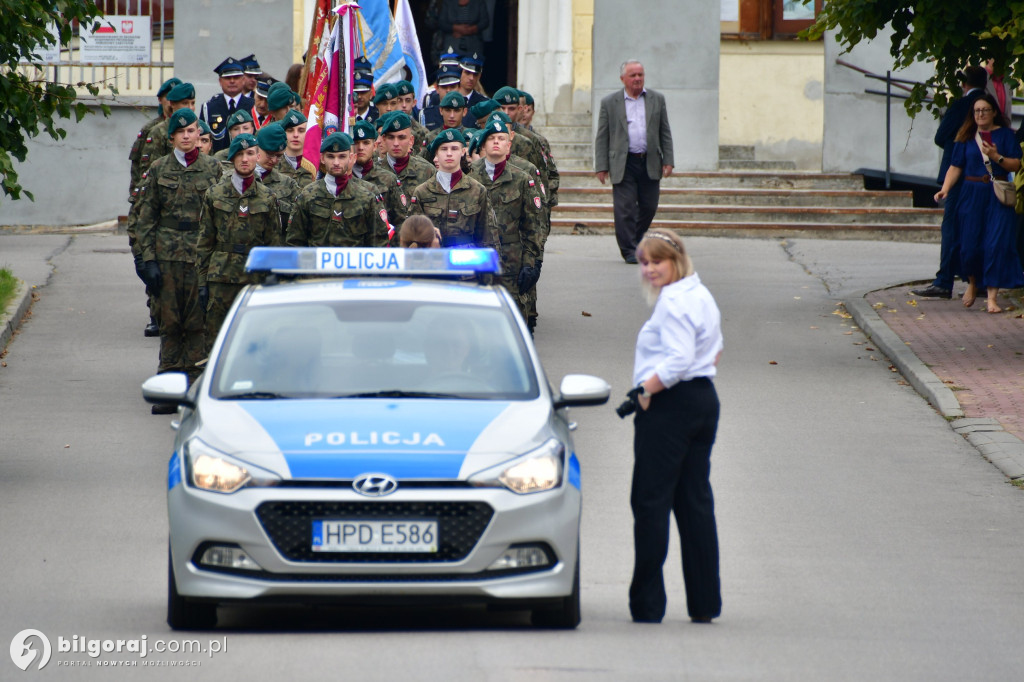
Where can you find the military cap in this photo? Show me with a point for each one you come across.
(453, 100)
(229, 67)
(483, 108)
(279, 96)
(449, 75)
(272, 138)
(204, 128)
(472, 63)
(182, 118)
(494, 125)
(443, 137)
(379, 122)
(363, 130)
(527, 96)
(405, 88)
(239, 117)
(263, 87)
(397, 121)
(506, 95)
(296, 99)
(336, 142)
(243, 141)
(385, 92)
(475, 140)
(451, 57)
(293, 118)
(250, 66)
(500, 116)
(362, 84)
(181, 91)
(363, 65)
(167, 86)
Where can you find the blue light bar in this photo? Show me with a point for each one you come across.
(372, 261)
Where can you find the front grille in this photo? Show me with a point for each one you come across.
(290, 527)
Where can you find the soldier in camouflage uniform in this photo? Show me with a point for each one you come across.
(205, 138)
(456, 203)
(238, 213)
(334, 211)
(169, 208)
(518, 208)
(508, 98)
(386, 99)
(410, 168)
(383, 179)
(453, 109)
(294, 124)
(238, 122)
(271, 143)
(158, 143)
(407, 105)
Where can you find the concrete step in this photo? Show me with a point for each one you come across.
(735, 152)
(561, 119)
(922, 217)
(927, 233)
(729, 179)
(742, 164)
(748, 197)
(571, 150)
(575, 164)
(570, 134)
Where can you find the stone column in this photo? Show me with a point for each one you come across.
(545, 60)
(678, 44)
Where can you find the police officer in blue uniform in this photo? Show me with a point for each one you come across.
(216, 110)
(447, 81)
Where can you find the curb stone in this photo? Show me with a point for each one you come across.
(1004, 450)
(9, 321)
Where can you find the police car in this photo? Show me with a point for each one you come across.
(379, 428)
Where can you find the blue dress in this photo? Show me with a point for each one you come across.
(988, 230)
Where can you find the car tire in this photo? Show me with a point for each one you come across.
(567, 615)
(183, 614)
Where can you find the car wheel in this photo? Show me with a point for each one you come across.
(567, 614)
(183, 614)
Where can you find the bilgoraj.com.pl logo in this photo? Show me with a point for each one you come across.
(25, 648)
(31, 648)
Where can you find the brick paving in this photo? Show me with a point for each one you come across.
(980, 356)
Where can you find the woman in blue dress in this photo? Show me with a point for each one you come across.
(988, 250)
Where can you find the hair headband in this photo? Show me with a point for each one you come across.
(658, 235)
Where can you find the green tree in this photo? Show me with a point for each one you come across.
(30, 104)
(948, 33)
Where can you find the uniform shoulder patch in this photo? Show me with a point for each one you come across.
(380, 198)
(532, 183)
(536, 202)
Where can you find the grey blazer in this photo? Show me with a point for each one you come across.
(612, 143)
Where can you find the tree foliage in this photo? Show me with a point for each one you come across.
(948, 33)
(31, 104)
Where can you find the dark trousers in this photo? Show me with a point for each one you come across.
(671, 473)
(636, 202)
(950, 248)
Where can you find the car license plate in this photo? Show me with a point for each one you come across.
(361, 535)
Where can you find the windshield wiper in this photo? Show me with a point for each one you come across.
(397, 394)
(254, 395)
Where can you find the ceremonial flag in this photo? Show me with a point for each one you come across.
(380, 40)
(411, 48)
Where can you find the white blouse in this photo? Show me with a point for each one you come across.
(683, 337)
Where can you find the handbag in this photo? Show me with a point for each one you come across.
(1005, 191)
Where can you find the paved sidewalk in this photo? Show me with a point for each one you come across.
(968, 363)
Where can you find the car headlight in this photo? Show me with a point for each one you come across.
(534, 472)
(209, 469)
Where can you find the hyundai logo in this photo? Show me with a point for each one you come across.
(375, 485)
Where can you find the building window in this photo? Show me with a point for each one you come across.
(766, 19)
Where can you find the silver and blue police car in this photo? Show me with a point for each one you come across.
(379, 428)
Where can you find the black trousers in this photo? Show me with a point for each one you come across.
(636, 201)
(671, 473)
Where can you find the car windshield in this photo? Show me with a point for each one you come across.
(374, 349)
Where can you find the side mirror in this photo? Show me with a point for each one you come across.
(581, 390)
(168, 388)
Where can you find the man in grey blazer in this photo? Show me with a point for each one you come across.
(634, 146)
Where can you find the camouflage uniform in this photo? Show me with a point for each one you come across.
(419, 137)
(533, 171)
(519, 213)
(230, 225)
(170, 206)
(222, 157)
(135, 155)
(553, 178)
(300, 175)
(157, 145)
(284, 189)
(388, 185)
(463, 216)
(415, 173)
(353, 218)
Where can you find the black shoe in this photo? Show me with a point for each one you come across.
(700, 619)
(631, 260)
(165, 408)
(151, 329)
(638, 619)
(932, 291)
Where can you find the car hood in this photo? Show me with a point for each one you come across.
(404, 438)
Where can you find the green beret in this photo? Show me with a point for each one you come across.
(483, 108)
(386, 92)
(167, 86)
(182, 118)
(180, 92)
(507, 95)
(272, 138)
(364, 130)
(279, 97)
(494, 125)
(404, 88)
(204, 128)
(243, 141)
(443, 137)
(398, 121)
(239, 117)
(336, 142)
(499, 116)
(293, 118)
(528, 96)
(474, 138)
(453, 100)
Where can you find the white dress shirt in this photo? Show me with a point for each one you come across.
(683, 337)
(636, 122)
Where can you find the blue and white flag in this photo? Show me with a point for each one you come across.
(379, 37)
(411, 48)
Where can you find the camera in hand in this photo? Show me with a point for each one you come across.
(630, 404)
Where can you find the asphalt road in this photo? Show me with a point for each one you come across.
(861, 538)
